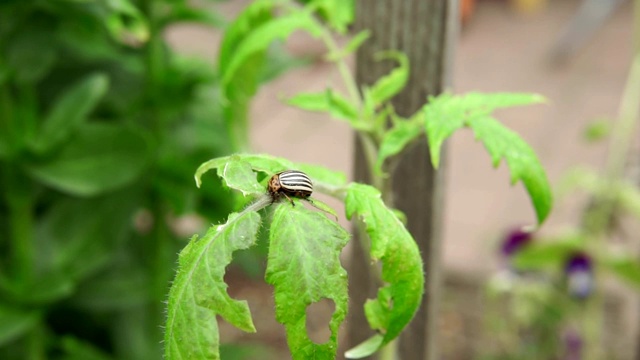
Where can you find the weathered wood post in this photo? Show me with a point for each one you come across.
(425, 30)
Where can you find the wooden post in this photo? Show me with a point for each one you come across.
(425, 31)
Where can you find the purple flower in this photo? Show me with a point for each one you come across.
(514, 241)
(579, 272)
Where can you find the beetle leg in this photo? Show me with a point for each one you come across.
(288, 198)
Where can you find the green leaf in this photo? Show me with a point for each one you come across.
(71, 109)
(397, 138)
(239, 175)
(352, 46)
(15, 322)
(365, 348)
(184, 13)
(271, 165)
(75, 349)
(198, 292)
(326, 101)
(391, 84)
(259, 39)
(624, 267)
(30, 54)
(100, 158)
(304, 267)
(338, 14)
(445, 114)
(501, 142)
(547, 254)
(391, 244)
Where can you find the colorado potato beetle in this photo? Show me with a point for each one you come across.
(290, 183)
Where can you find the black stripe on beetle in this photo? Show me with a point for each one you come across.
(290, 183)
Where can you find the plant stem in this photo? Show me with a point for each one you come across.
(343, 68)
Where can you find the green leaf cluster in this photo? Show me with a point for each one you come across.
(303, 261)
(101, 126)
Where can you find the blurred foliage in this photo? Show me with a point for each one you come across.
(101, 127)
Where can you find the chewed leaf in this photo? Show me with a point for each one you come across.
(523, 163)
(239, 175)
(271, 165)
(445, 114)
(304, 268)
(391, 244)
(198, 292)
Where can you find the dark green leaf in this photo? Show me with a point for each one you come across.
(198, 292)
(304, 267)
(75, 349)
(31, 54)
(71, 109)
(391, 244)
(338, 14)
(391, 84)
(15, 322)
(100, 158)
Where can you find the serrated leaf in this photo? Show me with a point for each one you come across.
(391, 244)
(391, 84)
(101, 157)
(198, 292)
(523, 163)
(446, 113)
(271, 165)
(326, 101)
(304, 267)
(69, 111)
(239, 175)
(397, 138)
(259, 39)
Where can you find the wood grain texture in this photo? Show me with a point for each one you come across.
(425, 31)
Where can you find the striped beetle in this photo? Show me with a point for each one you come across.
(290, 183)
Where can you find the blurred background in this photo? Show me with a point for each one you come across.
(108, 107)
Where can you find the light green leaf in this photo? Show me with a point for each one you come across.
(523, 163)
(304, 267)
(239, 175)
(624, 267)
(391, 84)
(365, 348)
(338, 14)
(397, 138)
(70, 111)
(198, 292)
(259, 39)
(100, 158)
(550, 254)
(15, 322)
(326, 101)
(391, 244)
(271, 165)
(323, 207)
(445, 114)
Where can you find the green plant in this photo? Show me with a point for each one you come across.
(101, 123)
(304, 245)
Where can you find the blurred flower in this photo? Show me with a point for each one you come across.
(515, 240)
(579, 272)
(572, 345)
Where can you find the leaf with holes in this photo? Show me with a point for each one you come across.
(304, 268)
(391, 244)
(198, 292)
